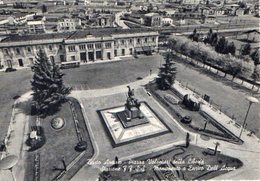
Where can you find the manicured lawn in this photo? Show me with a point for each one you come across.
(60, 143)
(178, 163)
(213, 128)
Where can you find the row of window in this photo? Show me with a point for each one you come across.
(130, 41)
(30, 49)
(81, 47)
(89, 46)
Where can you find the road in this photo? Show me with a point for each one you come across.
(119, 21)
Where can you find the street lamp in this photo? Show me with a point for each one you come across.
(251, 101)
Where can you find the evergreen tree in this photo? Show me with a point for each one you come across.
(214, 39)
(231, 48)
(49, 92)
(245, 49)
(221, 46)
(44, 8)
(208, 38)
(256, 74)
(255, 57)
(194, 36)
(167, 72)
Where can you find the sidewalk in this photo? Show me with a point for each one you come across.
(18, 129)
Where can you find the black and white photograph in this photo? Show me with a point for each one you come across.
(129, 90)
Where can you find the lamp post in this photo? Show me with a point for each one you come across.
(251, 101)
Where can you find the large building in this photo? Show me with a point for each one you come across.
(78, 46)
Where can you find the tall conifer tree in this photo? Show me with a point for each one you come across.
(167, 72)
(49, 91)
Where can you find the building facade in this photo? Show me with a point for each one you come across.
(78, 46)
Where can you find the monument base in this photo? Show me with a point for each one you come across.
(123, 131)
(127, 123)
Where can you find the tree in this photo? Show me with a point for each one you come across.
(255, 57)
(214, 39)
(256, 75)
(234, 68)
(208, 38)
(44, 8)
(231, 48)
(221, 46)
(49, 92)
(167, 72)
(194, 36)
(245, 49)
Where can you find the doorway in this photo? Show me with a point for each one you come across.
(20, 61)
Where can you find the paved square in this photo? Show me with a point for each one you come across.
(120, 135)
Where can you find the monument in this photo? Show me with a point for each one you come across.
(131, 115)
(132, 121)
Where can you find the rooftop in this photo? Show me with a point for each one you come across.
(74, 35)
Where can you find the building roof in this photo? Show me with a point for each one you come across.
(19, 38)
(75, 35)
(252, 31)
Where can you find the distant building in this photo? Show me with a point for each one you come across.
(102, 20)
(36, 25)
(191, 1)
(78, 46)
(153, 19)
(67, 23)
(252, 35)
(167, 21)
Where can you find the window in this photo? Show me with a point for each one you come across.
(122, 42)
(72, 58)
(50, 47)
(62, 58)
(6, 51)
(131, 51)
(39, 47)
(153, 39)
(145, 40)
(138, 40)
(60, 47)
(123, 52)
(108, 45)
(17, 50)
(90, 46)
(130, 41)
(31, 61)
(52, 58)
(29, 49)
(98, 55)
(98, 45)
(82, 47)
(71, 48)
(115, 53)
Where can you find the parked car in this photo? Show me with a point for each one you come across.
(10, 69)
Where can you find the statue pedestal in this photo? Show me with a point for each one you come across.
(132, 113)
